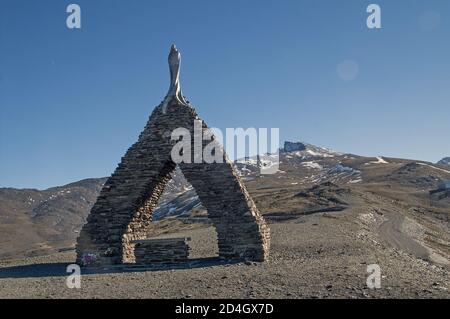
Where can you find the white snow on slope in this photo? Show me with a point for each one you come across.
(339, 168)
(321, 154)
(312, 165)
(380, 160)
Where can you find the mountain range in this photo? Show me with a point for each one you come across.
(311, 179)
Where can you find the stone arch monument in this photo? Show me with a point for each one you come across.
(122, 213)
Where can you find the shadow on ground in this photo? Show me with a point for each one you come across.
(59, 269)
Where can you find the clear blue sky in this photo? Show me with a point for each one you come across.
(73, 101)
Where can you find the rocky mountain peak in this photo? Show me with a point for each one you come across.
(444, 161)
(294, 146)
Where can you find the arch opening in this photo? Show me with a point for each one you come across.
(178, 214)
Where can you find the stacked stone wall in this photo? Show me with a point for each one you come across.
(123, 210)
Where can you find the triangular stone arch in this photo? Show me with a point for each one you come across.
(124, 207)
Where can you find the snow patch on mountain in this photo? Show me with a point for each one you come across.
(380, 160)
(339, 168)
(312, 165)
(341, 173)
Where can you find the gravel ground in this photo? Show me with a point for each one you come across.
(315, 256)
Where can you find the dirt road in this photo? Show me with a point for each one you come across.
(391, 232)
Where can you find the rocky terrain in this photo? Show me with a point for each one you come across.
(36, 222)
(331, 214)
(445, 161)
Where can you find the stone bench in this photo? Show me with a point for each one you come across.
(161, 250)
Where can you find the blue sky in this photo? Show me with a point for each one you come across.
(73, 101)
